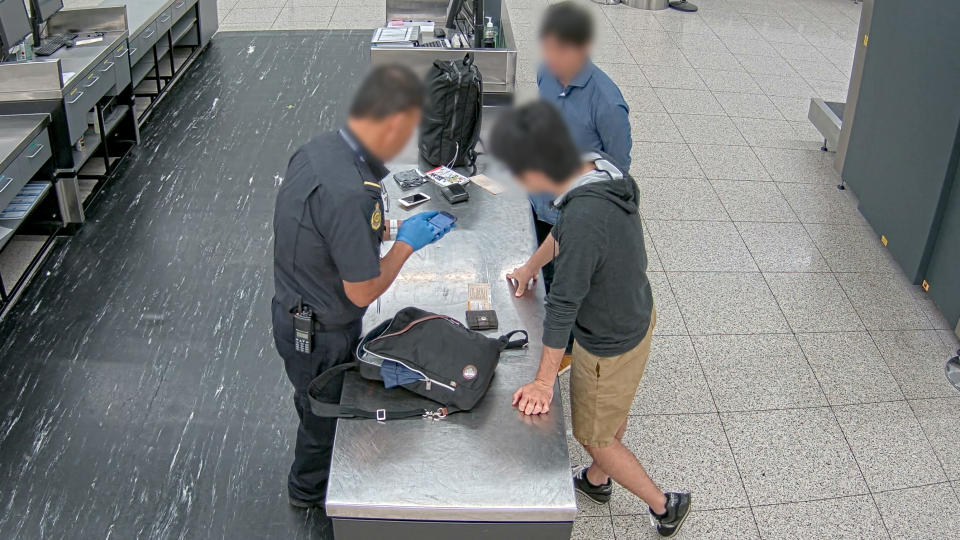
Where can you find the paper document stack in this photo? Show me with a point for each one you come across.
(396, 37)
(24, 201)
(426, 27)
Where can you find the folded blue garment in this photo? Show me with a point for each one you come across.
(396, 374)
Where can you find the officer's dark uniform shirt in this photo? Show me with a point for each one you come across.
(328, 225)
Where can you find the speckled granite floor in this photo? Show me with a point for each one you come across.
(795, 373)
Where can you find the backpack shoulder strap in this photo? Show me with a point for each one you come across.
(335, 410)
(477, 119)
(506, 343)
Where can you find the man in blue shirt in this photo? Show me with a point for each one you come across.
(589, 102)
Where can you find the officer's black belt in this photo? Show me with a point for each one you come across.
(322, 327)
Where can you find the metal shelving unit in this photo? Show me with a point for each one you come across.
(165, 62)
(25, 242)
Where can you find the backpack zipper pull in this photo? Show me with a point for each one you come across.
(428, 384)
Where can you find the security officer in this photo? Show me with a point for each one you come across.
(328, 227)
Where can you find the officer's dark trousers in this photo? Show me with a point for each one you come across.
(311, 461)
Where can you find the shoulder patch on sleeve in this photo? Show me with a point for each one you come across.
(376, 219)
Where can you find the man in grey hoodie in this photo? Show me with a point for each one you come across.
(600, 292)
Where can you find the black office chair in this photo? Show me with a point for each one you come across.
(683, 5)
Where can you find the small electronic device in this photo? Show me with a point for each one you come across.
(303, 330)
(454, 193)
(54, 43)
(410, 179)
(88, 39)
(482, 320)
(458, 41)
(412, 200)
(442, 220)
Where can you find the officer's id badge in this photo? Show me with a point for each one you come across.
(376, 220)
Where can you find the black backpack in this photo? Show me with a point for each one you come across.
(450, 128)
(436, 357)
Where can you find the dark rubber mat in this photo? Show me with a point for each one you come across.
(140, 393)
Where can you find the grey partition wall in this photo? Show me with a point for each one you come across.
(900, 161)
(943, 274)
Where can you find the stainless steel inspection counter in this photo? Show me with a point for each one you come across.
(488, 473)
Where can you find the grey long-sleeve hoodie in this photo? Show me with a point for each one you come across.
(600, 288)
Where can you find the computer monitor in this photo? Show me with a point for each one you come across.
(453, 11)
(44, 9)
(14, 24)
(41, 10)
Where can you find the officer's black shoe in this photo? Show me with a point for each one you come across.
(299, 503)
(599, 494)
(668, 524)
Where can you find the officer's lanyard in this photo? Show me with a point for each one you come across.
(360, 161)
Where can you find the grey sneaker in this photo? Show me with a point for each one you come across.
(678, 506)
(599, 494)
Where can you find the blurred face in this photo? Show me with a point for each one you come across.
(393, 134)
(563, 60)
(537, 182)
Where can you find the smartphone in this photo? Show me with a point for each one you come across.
(412, 200)
(442, 220)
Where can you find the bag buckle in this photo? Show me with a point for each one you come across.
(436, 415)
(381, 415)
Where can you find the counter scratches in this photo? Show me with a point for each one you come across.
(140, 395)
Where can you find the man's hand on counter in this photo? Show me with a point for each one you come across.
(526, 275)
(535, 398)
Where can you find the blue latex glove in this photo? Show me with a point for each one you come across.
(416, 232)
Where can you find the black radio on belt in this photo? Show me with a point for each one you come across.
(303, 330)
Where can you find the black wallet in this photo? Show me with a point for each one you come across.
(483, 319)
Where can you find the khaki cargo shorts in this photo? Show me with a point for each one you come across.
(602, 390)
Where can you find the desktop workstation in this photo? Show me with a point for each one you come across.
(449, 30)
(93, 76)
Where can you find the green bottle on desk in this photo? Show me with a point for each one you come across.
(490, 34)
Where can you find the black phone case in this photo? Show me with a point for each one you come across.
(454, 193)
